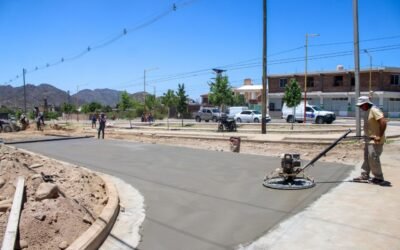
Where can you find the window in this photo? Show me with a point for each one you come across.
(246, 112)
(338, 81)
(282, 82)
(353, 81)
(310, 81)
(395, 80)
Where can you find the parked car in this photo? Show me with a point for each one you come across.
(250, 116)
(313, 113)
(208, 114)
(232, 111)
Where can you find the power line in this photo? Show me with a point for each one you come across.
(271, 62)
(111, 40)
(351, 42)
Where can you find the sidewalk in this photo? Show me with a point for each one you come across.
(351, 216)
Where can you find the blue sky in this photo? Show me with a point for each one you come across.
(198, 36)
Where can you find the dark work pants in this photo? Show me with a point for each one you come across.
(101, 129)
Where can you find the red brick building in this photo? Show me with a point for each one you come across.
(334, 90)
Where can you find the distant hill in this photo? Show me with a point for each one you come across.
(13, 97)
(138, 96)
(104, 96)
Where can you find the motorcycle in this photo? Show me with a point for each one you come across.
(228, 124)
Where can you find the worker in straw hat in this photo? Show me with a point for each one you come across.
(374, 132)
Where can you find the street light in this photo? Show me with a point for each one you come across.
(77, 101)
(144, 87)
(305, 74)
(370, 72)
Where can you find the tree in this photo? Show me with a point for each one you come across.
(169, 99)
(151, 102)
(182, 100)
(220, 92)
(125, 101)
(292, 97)
(95, 106)
(239, 100)
(107, 109)
(85, 108)
(68, 108)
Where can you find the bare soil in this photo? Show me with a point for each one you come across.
(45, 224)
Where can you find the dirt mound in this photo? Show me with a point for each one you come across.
(55, 219)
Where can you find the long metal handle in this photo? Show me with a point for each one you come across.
(325, 151)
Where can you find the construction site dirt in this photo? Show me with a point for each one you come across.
(79, 185)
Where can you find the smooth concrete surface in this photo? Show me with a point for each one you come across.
(125, 233)
(354, 216)
(196, 199)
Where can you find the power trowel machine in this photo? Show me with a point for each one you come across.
(291, 174)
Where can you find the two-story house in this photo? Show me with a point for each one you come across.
(333, 90)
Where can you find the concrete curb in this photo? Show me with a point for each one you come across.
(243, 139)
(49, 139)
(125, 234)
(99, 230)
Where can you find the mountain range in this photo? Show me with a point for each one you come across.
(13, 97)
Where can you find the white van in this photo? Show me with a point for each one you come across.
(314, 113)
(232, 111)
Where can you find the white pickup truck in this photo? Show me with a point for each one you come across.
(313, 113)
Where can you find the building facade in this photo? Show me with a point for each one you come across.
(334, 90)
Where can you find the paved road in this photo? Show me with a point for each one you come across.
(195, 199)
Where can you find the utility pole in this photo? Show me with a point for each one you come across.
(77, 113)
(23, 76)
(305, 75)
(264, 70)
(144, 87)
(357, 65)
(370, 74)
(144, 92)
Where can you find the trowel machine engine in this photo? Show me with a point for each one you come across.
(290, 166)
(291, 174)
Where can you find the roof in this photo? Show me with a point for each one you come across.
(385, 69)
(249, 88)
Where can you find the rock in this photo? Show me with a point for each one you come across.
(2, 182)
(46, 191)
(63, 245)
(40, 217)
(87, 219)
(2, 198)
(23, 244)
(37, 165)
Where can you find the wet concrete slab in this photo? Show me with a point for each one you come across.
(196, 199)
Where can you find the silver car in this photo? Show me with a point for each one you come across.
(250, 116)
